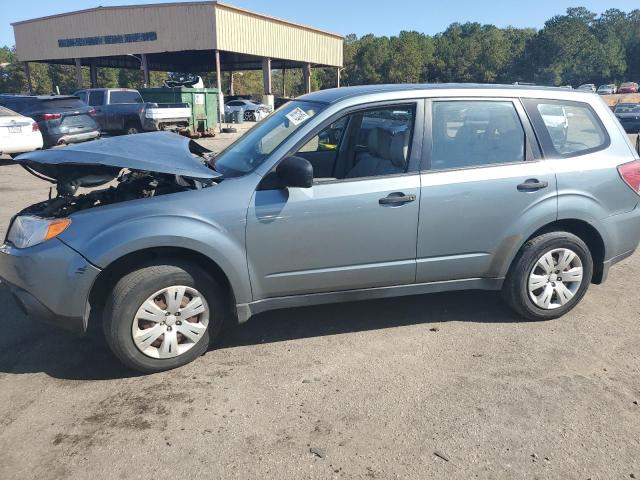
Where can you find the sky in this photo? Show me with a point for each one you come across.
(381, 17)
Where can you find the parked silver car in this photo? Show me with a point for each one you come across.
(345, 194)
(251, 110)
(587, 87)
(608, 89)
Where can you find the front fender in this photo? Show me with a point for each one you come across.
(103, 243)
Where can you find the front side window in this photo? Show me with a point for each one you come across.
(368, 143)
(475, 133)
(572, 128)
(124, 97)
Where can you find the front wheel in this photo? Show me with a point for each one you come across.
(161, 317)
(549, 276)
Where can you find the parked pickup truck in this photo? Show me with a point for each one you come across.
(123, 110)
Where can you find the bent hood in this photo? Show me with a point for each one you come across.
(158, 152)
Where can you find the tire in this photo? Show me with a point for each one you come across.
(124, 306)
(132, 128)
(529, 269)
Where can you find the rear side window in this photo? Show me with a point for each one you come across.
(125, 97)
(475, 133)
(566, 128)
(96, 98)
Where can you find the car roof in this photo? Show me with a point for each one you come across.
(334, 95)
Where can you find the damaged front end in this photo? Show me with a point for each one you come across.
(128, 167)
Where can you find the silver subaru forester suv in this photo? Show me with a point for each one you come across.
(345, 194)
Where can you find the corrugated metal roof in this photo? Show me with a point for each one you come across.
(173, 27)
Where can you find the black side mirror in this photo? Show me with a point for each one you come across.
(295, 172)
(638, 143)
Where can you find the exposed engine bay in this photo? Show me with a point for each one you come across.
(129, 167)
(130, 185)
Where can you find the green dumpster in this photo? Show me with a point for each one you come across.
(203, 102)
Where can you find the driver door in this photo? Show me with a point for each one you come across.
(349, 230)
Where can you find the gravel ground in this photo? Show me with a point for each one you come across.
(441, 386)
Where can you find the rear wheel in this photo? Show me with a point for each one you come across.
(161, 317)
(131, 128)
(549, 276)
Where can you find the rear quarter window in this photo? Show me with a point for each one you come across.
(565, 128)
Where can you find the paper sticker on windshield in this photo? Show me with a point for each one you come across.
(297, 116)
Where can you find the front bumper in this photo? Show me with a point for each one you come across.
(50, 282)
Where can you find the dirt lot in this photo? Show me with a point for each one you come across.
(441, 386)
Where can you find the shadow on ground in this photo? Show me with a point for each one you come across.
(32, 347)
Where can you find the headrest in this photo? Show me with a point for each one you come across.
(379, 142)
(501, 122)
(399, 149)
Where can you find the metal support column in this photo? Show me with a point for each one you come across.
(284, 83)
(219, 87)
(338, 70)
(79, 82)
(306, 75)
(145, 69)
(266, 75)
(93, 74)
(27, 73)
(231, 85)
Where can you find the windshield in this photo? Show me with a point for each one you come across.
(249, 151)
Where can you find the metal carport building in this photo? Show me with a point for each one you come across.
(178, 37)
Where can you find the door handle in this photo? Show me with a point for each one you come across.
(396, 198)
(532, 185)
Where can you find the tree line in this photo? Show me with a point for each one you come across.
(577, 47)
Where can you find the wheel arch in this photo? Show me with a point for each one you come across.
(587, 233)
(119, 267)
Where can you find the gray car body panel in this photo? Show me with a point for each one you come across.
(55, 276)
(301, 246)
(161, 152)
(211, 221)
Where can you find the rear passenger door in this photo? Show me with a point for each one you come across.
(483, 186)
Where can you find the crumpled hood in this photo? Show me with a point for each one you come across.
(159, 152)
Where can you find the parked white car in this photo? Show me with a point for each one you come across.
(252, 111)
(18, 134)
